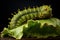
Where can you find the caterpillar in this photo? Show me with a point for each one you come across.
(30, 13)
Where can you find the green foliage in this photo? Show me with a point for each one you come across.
(34, 29)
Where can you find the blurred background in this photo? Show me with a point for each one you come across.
(11, 6)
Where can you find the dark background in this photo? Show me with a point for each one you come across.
(11, 6)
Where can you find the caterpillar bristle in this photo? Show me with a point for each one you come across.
(8, 25)
(9, 18)
(33, 8)
(18, 9)
(25, 10)
(12, 14)
(29, 9)
(49, 5)
(9, 22)
(24, 7)
(37, 8)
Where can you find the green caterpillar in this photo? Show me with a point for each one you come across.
(33, 13)
(33, 22)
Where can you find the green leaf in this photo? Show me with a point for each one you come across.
(16, 33)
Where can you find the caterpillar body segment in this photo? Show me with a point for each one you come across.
(30, 13)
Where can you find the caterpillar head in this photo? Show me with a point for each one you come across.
(46, 10)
